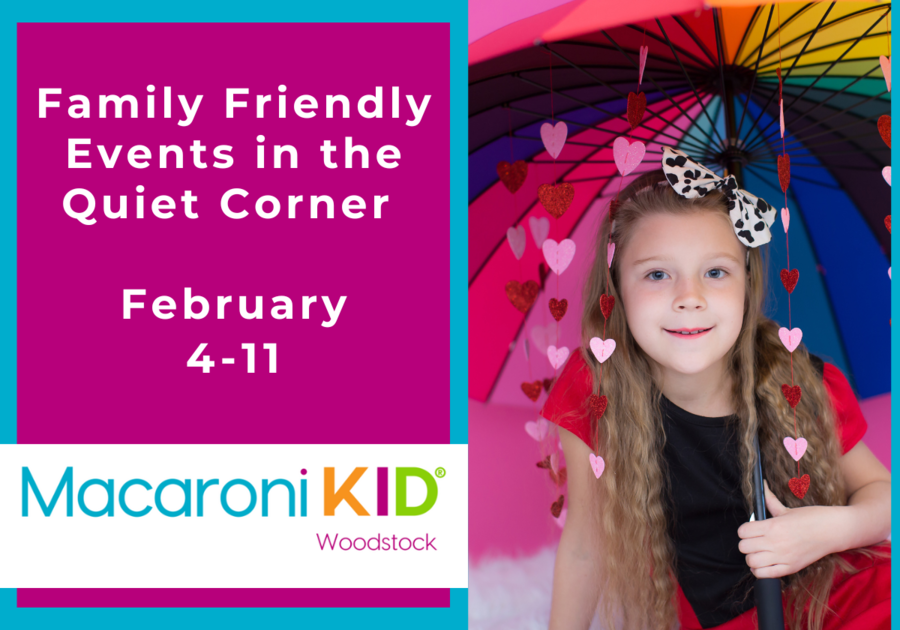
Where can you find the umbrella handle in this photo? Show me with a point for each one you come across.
(767, 590)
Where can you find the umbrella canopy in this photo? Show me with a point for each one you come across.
(712, 92)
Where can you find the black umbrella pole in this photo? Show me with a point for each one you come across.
(767, 590)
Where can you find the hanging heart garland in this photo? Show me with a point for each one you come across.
(887, 223)
(561, 521)
(540, 230)
(610, 252)
(637, 105)
(884, 128)
(886, 173)
(522, 296)
(790, 338)
(643, 63)
(597, 465)
(781, 116)
(627, 155)
(598, 405)
(548, 383)
(789, 279)
(540, 337)
(560, 477)
(532, 390)
(886, 70)
(512, 175)
(785, 218)
(516, 238)
(795, 448)
(554, 137)
(557, 356)
(537, 429)
(607, 302)
(543, 272)
(544, 463)
(558, 255)
(799, 486)
(556, 506)
(791, 394)
(558, 308)
(556, 199)
(602, 348)
(784, 171)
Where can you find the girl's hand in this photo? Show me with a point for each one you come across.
(792, 539)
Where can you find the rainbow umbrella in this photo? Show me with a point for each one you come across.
(711, 87)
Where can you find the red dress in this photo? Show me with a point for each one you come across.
(860, 602)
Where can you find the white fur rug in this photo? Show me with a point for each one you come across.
(513, 593)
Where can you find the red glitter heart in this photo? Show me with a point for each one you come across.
(784, 171)
(532, 390)
(543, 272)
(548, 383)
(607, 302)
(637, 104)
(791, 394)
(557, 506)
(512, 175)
(887, 223)
(613, 208)
(544, 463)
(799, 486)
(558, 308)
(556, 199)
(789, 279)
(884, 128)
(522, 296)
(598, 405)
(559, 479)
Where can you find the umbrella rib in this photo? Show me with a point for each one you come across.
(666, 94)
(819, 123)
(694, 37)
(711, 121)
(721, 52)
(829, 24)
(755, 71)
(793, 176)
(833, 64)
(769, 68)
(650, 57)
(610, 115)
(751, 24)
(754, 127)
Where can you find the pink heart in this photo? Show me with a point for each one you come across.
(516, 238)
(886, 173)
(554, 137)
(889, 273)
(602, 348)
(557, 356)
(627, 156)
(795, 448)
(886, 70)
(781, 108)
(644, 51)
(540, 230)
(610, 252)
(538, 430)
(597, 464)
(561, 521)
(541, 338)
(558, 255)
(790, 338)
(554, 462)
(785, 218)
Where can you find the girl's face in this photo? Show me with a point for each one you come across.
(684, 272)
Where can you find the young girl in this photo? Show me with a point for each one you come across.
(664, 533)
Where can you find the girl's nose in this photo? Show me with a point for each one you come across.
(689, 295)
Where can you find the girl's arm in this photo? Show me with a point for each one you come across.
(794, 538)
(575, 590)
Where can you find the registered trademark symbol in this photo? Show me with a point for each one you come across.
(440, 472)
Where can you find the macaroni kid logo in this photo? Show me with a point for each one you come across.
(136, 504)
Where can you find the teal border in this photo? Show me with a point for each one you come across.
(453, 11)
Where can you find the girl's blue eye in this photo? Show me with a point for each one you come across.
(652, 273)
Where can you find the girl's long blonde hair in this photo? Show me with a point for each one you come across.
(636, 566)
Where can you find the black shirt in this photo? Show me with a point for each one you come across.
(706, 507)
